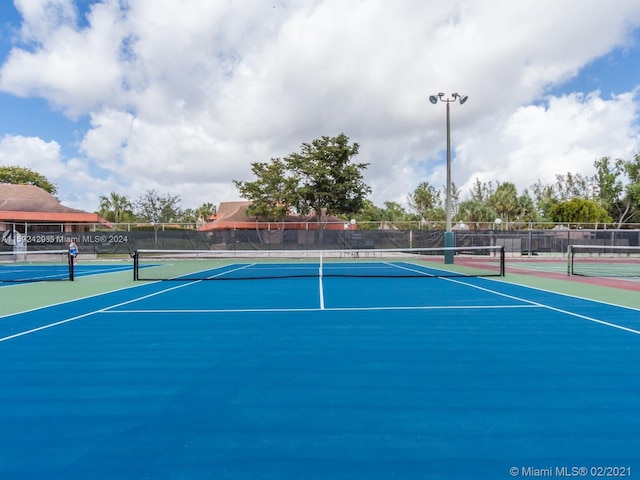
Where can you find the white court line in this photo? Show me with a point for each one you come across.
(222, 274)
(527, 304)
(50, 325)
(321, 292)
(549, 307)
(413, 270)
(57, 304)
(87, 314)
(331, 309)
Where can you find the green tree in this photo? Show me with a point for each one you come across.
(321, 179)
(25, 176)
(273, 193)
(455, 199)
(475, 212)
(400, 218)
(610, 188)
(544, 197)
(424, 200)
(579, 210)
(116, 208)
(504, 200)
(632, 189)
(189, 217)
(370, 216)
(204, 211)
(526, 208)
(618, 186)
(574, 185)
(156, 209)
(481, 191)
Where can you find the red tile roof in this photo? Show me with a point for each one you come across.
(33, 204)
(231, 215)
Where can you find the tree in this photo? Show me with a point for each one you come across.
(632, 189)
(24, 176)
(574, 185)
(544, 198)
(481, 191)
(273, 193)
(505, 201)
(455, 199)
(610, 187)
(116, 208)
(475, 212)
(579, 210)
(156, 209)
(424, 200)
(618, 186)
(320, 179)
(526, 209)
(188, 216)
(394, 212)
(204, 212)
(198, 216)
(370, 216)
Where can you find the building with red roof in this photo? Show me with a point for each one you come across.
(232, 216)
(21, 205)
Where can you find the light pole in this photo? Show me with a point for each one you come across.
(448, 235)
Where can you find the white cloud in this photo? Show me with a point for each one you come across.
(567, 134)
(184, 94)
(76, 186)
(33, 153)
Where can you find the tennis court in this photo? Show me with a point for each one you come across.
(320, 377)
(46, 266)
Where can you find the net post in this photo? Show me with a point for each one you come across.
(502, 261)
(449, 243)
(135, 265)
(70, 260)
(569, 260)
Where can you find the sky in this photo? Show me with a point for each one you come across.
(181, 96)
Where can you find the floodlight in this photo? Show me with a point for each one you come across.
(448, 236)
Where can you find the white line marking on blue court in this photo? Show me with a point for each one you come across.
(321, 292)
(548, 307)
(87, 314)
(331, 309)
(412, 270)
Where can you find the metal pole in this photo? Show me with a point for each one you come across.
(448, 200)
(449, 240)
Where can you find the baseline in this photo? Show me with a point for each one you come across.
(326, 309)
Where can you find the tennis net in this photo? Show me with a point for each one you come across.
(36, 266)
(263, 264)
(604, 261)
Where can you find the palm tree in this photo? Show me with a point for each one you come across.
(204, 212)
(116, 208)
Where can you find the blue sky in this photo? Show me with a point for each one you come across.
(182, 95)
(615, 72)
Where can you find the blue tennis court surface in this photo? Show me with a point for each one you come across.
(12, 273)
(332, 378)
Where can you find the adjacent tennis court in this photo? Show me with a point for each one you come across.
(320, 377)
(47, 266)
